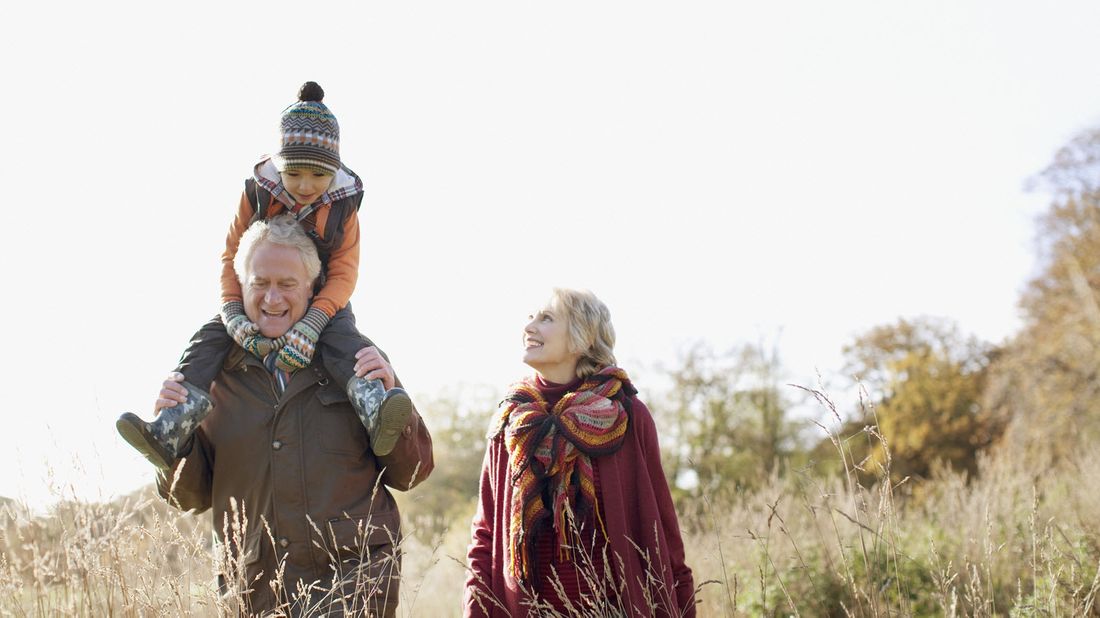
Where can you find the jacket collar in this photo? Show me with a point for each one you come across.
(240, 360)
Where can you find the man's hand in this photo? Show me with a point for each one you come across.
(371, 365)
(171, 392)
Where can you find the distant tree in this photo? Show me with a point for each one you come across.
(925, 380)
(724, 420)
(1047, 383)
(459, 423)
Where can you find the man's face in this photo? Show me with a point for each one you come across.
(278, 289)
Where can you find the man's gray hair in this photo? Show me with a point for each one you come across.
(281, 230)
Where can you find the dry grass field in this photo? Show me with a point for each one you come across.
(1021, 538)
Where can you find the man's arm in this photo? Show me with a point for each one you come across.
(411, 460)
(187, 485)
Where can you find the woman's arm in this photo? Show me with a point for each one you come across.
(477, 598)
(683, 579)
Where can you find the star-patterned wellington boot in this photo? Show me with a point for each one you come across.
(160, 440)
(384, 413)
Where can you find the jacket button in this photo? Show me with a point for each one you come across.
(284, 542)
(277, 445)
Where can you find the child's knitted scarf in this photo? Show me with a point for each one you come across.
(553, 450)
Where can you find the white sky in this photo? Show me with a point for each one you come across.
(715, 171)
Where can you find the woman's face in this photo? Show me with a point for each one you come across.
(546, 346)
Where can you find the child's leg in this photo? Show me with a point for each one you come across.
(384, 413)
(205, 355)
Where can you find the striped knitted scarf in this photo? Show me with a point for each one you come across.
(553, 450)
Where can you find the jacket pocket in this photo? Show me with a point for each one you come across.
(350, 536)
(253, 547)
(367, 559)
(338, 428)
(240, 564)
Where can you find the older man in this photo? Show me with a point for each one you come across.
(300, 502)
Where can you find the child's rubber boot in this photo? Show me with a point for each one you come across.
(384, 413)
(160, 440)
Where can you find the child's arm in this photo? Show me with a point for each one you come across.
(243, 331)
(231, 287)
(343, 270)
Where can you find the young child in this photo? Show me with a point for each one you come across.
(305, 178)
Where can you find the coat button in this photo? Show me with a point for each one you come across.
(277, 445)
(284, 542)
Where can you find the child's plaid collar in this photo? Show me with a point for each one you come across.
(345, 184)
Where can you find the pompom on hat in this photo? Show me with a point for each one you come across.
(309, 134)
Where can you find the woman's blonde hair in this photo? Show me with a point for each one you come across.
(590, 329)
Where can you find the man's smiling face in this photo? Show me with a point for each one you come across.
(278, 289)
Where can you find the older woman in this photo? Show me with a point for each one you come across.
(575, 514)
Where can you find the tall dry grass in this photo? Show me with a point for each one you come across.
(1021, 538)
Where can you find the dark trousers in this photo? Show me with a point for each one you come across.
(339, 341)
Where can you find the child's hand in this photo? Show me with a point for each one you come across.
(237, 323)
(301, 341)
(371, 365)
(260, 346)
(240, 328)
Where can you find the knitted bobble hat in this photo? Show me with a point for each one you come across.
(309, 134)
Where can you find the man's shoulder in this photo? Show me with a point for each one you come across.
(234, 361)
